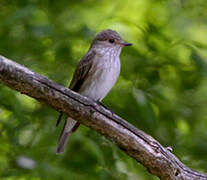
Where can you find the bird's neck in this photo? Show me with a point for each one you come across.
(108, 52)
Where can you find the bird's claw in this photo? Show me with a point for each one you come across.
(101, 104)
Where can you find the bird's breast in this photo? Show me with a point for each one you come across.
(101, 78)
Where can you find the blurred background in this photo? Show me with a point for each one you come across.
(163, 84)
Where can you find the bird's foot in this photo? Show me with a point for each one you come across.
(101, 104)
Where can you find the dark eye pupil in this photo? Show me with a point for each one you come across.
(111, 40)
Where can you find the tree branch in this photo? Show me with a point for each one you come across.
(140, 146)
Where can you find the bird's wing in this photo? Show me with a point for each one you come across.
(80, 75)
(82, 71)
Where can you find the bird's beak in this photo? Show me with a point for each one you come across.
(125, 44)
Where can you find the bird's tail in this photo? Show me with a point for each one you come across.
(69, 127)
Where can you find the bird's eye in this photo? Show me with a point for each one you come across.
(111, 40)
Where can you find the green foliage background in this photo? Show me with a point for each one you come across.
(162, 88)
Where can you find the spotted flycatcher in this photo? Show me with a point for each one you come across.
(95, 75)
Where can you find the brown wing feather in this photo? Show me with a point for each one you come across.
(80, 74)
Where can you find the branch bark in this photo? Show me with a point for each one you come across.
(150, 153)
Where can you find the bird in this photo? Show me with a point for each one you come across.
(95, 75)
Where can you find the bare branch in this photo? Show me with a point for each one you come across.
(140, 146)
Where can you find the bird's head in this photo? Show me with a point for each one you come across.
(109, 39)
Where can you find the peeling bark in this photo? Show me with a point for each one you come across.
(150, 153)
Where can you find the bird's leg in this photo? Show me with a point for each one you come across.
(101, 104)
